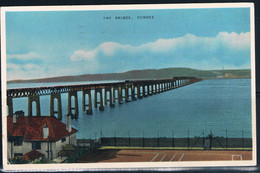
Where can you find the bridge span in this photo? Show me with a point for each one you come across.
(129, 90)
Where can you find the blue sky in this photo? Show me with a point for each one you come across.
(48, 43)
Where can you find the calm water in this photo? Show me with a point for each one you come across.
(210, 105)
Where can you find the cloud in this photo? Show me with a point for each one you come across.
(27, 56)
(228, 49)
(234, 41)
(31, 67)
(83, 55)
(231, 50)
(107, 49)
(12, 66)
(27, 71)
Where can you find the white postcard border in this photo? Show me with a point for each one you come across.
(127, 165)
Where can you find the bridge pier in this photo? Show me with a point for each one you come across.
(110, 99)
(163, 87)
(75, 108)
(144, 90)
(127, 94)
(156, 88)
(89, 104)
(35, 99)
(101, 106)
(119, 94)
(139, 92)
(123, 96)
(105, 96)
(133, 93)
(153, 89)
(52, 111)
(150, 90)
(10, 106)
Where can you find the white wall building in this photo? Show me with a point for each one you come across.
(43, 134)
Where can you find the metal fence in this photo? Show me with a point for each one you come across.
(203, 141)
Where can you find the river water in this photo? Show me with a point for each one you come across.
(222, 107)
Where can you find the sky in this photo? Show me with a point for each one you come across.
(43, 44)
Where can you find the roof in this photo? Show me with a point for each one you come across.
(31, 128)
(32, 155)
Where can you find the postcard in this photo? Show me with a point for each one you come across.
(128, 86)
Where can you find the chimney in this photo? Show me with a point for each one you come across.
(45, 131)
(68, 123)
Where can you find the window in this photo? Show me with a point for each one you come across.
(36, 145)
(18, 141)
(63, 139)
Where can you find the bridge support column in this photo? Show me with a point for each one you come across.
(154, 88)
(139, 92)
(89, 104)
(111, 103)
(105, 96)
(123, 96)
(101, 106)
(127, 93)
(52, 111)
(145, 91)
(159, 88)
(120, 95)
(10, 106)
(133, 93)
(171, 85)
(162, 87)
(75, 108)
(35, 99)
(150, 91)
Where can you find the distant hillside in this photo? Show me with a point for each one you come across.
(147, 74)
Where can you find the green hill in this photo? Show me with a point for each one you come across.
(147, 74)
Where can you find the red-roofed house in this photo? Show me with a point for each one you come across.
(44, 134)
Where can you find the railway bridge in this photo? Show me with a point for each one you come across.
(104, 94)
